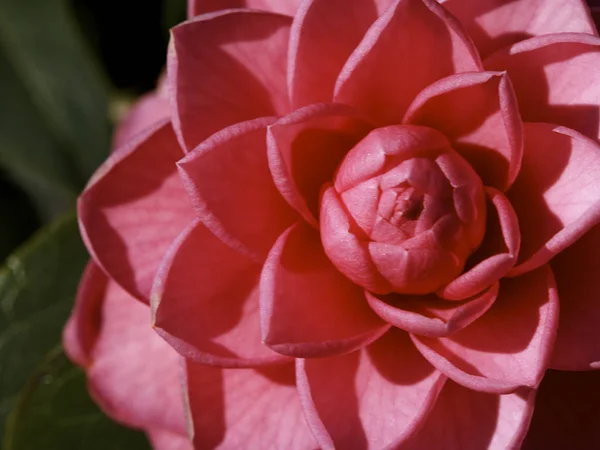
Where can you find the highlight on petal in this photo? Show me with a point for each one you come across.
(307, 307)
(306, 147)
(205, 302)
(245, 408)
(493, 24)
(222, 81)
(556, 195)
(478, 112)
(576, 269)
(463, 419)
(134, 207)
(428, 315)
(228, 178)
(413, 44)
(373, 398)
(197, 7)
(555, 79)
(509, 346)
(495, 256)
(165, 440)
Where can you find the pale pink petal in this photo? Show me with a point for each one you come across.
(577, 272)
(228, 178)
(196, 7)
(205, 302)
(166, 440)
(306, 147)
(413, 44)
(246, 408)
(478, 112)
(463, 419)
(496, 255)
(428, 315)
(493, 24)
(237, 73)
(557, 195)
(370, 399)
(567, 412)
(555, 78)
(307, 307)
(134, 207)
(510, 345)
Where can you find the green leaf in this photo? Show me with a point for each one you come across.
(55, 412)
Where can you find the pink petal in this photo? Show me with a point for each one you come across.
(246, 408)
(428, 315)
(228, 179)
(555, 78)
(556, 195)
(202, 278)
(576, 269)
(237, 74)
(372, 399)
(165, 440)
(478, 112)
(134, 207)
(196, 7)
(509, 346)
(307, 307)
(567, 412)
(493, 24)
(463, 419)
(495, 256)
(413, 44)
(132, 373)
(306, 147)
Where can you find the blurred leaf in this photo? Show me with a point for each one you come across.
(56, 412)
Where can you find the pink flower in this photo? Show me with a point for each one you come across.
(353, 224)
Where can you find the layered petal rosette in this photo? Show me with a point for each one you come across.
(351, 226)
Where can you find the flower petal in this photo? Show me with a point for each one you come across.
(134, 207)
(556, 195)
(307, 307)
(555, 78)
(165, 440)
(306, 147)
(509, 346)
(197, 7)
(201, 277)
(478, 112)
(576, 269)
(246, 408)
(493, 24)
(495, 256)
(428, 315)
(228, 178)
(414, 43)
(222, 81)
(373, 398)
(463, 419)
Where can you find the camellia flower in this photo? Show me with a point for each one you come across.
(349, 224)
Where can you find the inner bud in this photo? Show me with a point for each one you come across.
(405, 212)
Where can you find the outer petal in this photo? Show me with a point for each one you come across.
(165, 440)
(430, 315)
(222, 81)
(463, 419)
(370, 399)
(556, 79)
(557, 195)
(567, 412)
(196, 7)
(228, 178)
(478, 112)
(493, 24)
(414, 43)
(307, 307)
(134, 207)
(246, 408)
(205, 302)
(306, 147)
(577, 272)
(509, 346)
